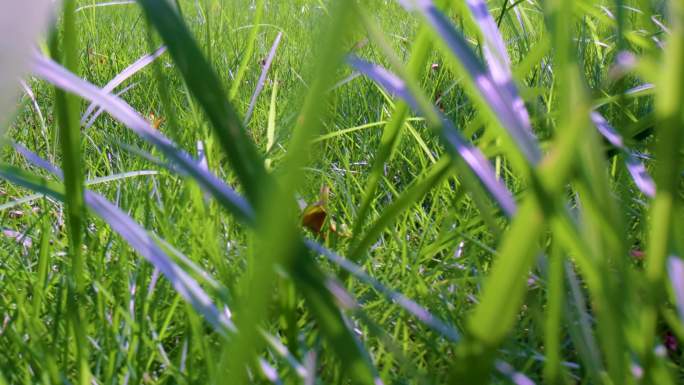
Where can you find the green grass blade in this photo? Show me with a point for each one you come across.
(262, 78)
(249, 50)
(413, 194)
(669, 113)
(67, 112)
(202, 81)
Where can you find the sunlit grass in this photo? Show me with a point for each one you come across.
(346, 192)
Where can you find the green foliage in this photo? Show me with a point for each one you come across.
(419, 273)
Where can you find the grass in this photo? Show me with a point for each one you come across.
(466, 238)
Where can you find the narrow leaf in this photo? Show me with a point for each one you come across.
(449, 134)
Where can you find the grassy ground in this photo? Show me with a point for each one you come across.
(437, 249)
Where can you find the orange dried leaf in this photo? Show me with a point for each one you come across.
(313, 217)
(155, 120)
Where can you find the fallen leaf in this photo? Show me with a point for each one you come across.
(155, 121)
(314, 215)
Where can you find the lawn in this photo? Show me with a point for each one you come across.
(344, 192)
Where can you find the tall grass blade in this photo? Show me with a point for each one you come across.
(449, 134)
(140, 240)
(497, 59)
(204, 84)
(636, 169)
(410, 306)
(104, 4)
(249, 51)
(502, 104)
(669, 109)
(57, 75)
(122, 76)
(66, 111)
(262, 77)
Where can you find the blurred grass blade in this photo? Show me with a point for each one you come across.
(669, 108)
(104, 4)
(514, 376)
(205, 86)
(36, 160)
(249, 51)
(262, 78)
(497, 59)
(450, 135)
(675, 269)
(98, 112)
(636, 169)
(387, 80)
(494, 47)
(555, 299)
(496, 98)
(32, 182)
(55, 74)
(410, 306)
(137, 237)
(123, 75)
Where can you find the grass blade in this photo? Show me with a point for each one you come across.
(67, 108)
(121, 77)
(262, 77)
(503, 106)
(249, 51)
(55, 74)
(104, 4)
(32, 182)
(636, 169)
(497, 59)
(449, 134)
(410, 306)
(675, 269)
(137, 237)
(669, 112)
(202, 81)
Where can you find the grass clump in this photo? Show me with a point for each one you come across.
(346, 192)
